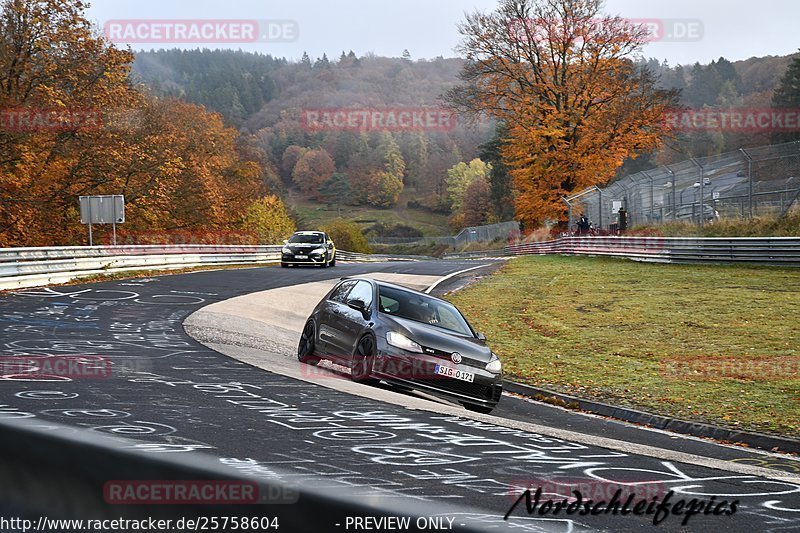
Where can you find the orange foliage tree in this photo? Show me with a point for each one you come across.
(312, 170)
(559, 75)
(73, 124)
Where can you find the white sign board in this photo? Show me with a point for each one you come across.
(102, 209)
(616, 205)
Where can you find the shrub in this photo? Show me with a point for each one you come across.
(268, 219)
(347, 236)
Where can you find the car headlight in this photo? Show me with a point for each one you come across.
(286, 250)
(494, 365)
(319, 251)
(404, 343)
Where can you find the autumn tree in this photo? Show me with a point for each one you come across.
(477, 206)
(384, 190)
(393, 161)
(559, 74)
(179, 166)
(347, 236)
(461, 176)
(290, 158)
(268, 219)
(312, 170)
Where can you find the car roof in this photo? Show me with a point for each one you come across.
(309, 233)
(390, 285)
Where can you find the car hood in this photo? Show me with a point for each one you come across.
(304, 247)
(439, 339)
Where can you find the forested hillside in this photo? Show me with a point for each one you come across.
(267, 96)
(334, 166)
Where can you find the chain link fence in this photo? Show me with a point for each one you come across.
(742, 184)
(489, 233)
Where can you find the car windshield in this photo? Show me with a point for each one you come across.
(424, 309)
(306, 238)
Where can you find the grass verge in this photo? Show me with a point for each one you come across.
(716, 344)
(760, 226)
(316, 215)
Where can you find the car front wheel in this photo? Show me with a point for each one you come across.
(305, 350)
(362, 361)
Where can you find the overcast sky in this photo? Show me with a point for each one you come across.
(427, 28)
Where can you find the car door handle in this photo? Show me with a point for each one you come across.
(336, 311)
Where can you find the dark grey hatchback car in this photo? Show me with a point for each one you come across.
(407, 338)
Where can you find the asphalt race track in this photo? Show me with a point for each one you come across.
(170, 394)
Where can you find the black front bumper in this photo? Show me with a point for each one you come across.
(415, 371)
(291, 259)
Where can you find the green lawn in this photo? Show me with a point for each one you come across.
(718, 344)
(315, 214)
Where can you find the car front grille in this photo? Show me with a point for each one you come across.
(446, 356)
(489, 393)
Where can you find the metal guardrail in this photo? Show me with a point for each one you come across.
(61, 473)
(483, 254)
(779, 251)
(380, 258)
(487, 233)
(33, 267)
(74, 252)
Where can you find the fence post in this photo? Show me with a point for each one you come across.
(674, 195)
(749, 181)
(600, 203)
(569, 210)
(702, 191)
(652, 195)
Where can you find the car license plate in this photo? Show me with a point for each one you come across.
(451, 372)
(301, 257)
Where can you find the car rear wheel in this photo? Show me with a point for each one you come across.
(305, 350)
(362, 361)
(478, 408)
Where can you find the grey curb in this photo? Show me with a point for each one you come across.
(697, 429)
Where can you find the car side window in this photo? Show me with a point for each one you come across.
(445, 318)
(362, 291)
(389, 305)
(340, 293)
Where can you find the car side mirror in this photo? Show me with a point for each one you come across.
(480, 336)
(358, 305)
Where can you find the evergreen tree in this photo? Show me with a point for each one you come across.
(393, 158)
(500, 184)
(787, 96)
(337, 190)
(417, 158)
(323, 62)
